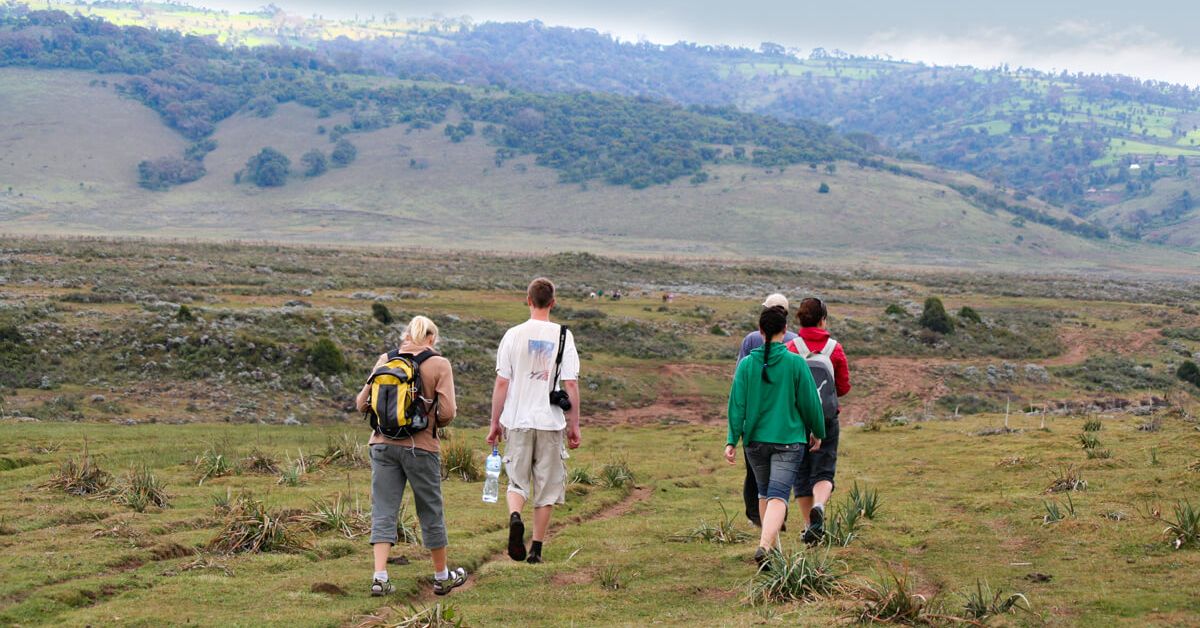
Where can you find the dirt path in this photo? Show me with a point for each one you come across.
(670, 405)
(426, 596)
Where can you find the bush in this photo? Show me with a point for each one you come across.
(381, 313)
(80, 476)
(968, 313)
(458, 459)
(250, 527)
(890, 599)
(343, 153)
(616, 474)
(326, 358)
(314, 163)
(1111, 374)
(823, 189)
(895, 309)
(1189, 372)
(161, 174)
(185, 315)
(139, 489)
(269, 168)
(935, 318)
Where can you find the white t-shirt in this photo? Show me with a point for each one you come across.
(526, 359)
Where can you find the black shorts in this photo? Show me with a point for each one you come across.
(821, 464)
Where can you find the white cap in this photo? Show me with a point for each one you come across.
(776, 300)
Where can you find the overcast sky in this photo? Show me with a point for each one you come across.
(1159, 40)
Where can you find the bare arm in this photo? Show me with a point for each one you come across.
(499, 394)
(574, 436)
(363, 400)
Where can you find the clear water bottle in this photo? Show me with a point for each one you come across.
(491, 485)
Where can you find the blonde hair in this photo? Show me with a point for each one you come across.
(421, 331)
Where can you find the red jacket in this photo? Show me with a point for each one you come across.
(815, 339)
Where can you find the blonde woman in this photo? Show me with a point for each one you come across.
(414, 461)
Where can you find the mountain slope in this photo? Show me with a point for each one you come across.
(418, 187)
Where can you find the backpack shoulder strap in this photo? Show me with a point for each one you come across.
(420, 358)
(393, 354)
(830, 345)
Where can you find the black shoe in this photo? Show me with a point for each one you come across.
(534, 558)
(516, 538)
(760, 558)
(816, 526)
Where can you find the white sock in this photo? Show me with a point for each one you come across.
(442, 575)
(381, 576)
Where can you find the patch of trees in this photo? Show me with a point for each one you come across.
(991, 201)
(269, 168)
(164, 172)
(314, 163)
(344, 153)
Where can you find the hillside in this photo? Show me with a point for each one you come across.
(1066, 138)
(405, 178)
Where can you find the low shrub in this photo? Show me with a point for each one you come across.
(723, 532)
(459, 460)
(865, 501)
(80, 476)
(983, 603)
(140, 489)
(616, 474)
(890, 598)
(250, 527)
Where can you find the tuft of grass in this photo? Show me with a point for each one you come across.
(1067, 479)
(80, 476)
(612, 577)
(250, 527)
(616, 474)
(983, 603)
(1101, 454)
(1184, 530)
(841, 525)
(337, 516)
(1092, 425)
(213, 463)
(1194, 466)
(140, 489)
(890, 598)
(344, 451)
(723, 532)
(259, 462)
(293, 474)
(458, 459)
(439, 615)
(793, 576)
(1154, 424)
(1088, 440)
(865, 501)
(583, 476)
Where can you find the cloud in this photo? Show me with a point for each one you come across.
(1075, 46)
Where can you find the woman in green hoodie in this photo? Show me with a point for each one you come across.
(773, 407)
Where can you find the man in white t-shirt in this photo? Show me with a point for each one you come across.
(533, 428)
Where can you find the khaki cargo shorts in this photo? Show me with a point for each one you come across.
(534, 459)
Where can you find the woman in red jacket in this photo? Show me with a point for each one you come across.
(814, 482)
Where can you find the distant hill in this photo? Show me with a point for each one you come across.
(418, 187)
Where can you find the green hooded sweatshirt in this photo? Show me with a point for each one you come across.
(781, 411)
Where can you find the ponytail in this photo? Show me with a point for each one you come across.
(421, 331)
(772, 321)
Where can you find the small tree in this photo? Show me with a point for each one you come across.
(326, 358)
(968, 313)
(935, 318)
(1189, 372)
(269, 168)
(343, 153)
(314, 163)
(824, 189)
(381, 313)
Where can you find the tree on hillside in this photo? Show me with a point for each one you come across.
(824, 189)
(314, 163)
(160, 174)
(269, 168)
(343, 153)
(1189, 372)
(935, 318)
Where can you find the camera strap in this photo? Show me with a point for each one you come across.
(562, 344)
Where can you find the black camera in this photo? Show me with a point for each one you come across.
(561, 399)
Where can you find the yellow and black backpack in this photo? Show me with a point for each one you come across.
(397, 409)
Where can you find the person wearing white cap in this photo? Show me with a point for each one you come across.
(752, 341)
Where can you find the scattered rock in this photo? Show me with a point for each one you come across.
(97, 398)
(306, 292)
(397, 560)
(26, 419)
(297, 303)
(1039, 577)
(291, 420)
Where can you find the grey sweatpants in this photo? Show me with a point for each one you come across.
(392, 467)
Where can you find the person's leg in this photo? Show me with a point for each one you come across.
(438, 556)
(822, 490)
(387, 491)
(549, 485)
(820, 467)
(518, 464)
(423, 470)
(805, 505)
(750, 496)
(784, 463)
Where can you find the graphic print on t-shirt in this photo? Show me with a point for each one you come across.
(541, 354)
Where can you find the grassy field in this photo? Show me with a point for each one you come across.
(205, 402)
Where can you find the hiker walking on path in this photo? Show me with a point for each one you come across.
(774, 409)
(831, 373)
(752, 341)
(533, 415)
(409, 395)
